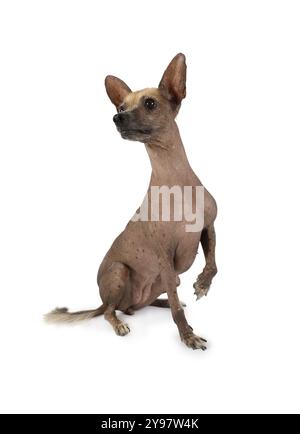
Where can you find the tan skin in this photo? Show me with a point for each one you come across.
(146, 259)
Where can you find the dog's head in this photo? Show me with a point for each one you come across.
(143, 115)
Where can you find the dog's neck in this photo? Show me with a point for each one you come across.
(169, 162)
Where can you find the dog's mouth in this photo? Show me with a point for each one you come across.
(135, 132)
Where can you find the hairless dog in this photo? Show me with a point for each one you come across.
(146, 259)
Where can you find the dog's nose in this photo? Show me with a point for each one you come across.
(118, 118)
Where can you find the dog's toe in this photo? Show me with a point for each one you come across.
(201, 290)
(122, 329)
(193, 341)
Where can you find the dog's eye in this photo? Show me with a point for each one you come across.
(121, 108)
(150, 103)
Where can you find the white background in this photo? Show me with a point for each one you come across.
(69, 184)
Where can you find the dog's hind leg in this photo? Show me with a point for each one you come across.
(208, 242)
(163, 302)
(119, 326)
(112, 287)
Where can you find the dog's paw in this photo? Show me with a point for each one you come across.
(129, 311)
(122, 329)
(200, 290)
(193, 341)
(201, 287)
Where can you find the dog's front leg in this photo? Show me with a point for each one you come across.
(185, 330)
(208, 242)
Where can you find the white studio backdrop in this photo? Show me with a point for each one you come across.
(69, 184)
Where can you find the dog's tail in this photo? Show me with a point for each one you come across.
(62, 314)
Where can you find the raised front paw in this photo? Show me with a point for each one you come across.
(201, 286)
(193, 341)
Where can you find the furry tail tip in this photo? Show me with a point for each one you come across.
(62, 315)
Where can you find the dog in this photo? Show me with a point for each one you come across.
(146, 259)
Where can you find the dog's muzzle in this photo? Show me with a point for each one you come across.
(127, 126)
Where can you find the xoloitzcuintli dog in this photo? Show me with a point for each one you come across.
(146, 259)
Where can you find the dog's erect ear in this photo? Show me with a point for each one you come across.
(116, 89)
(174, 79)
